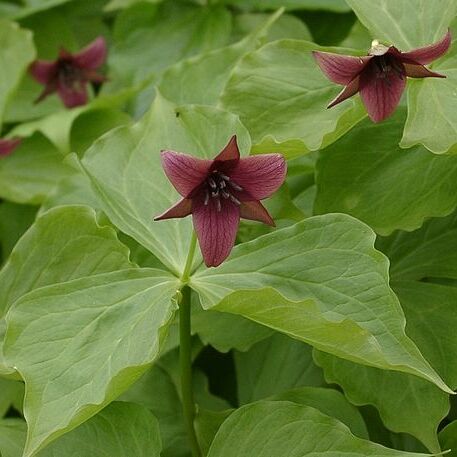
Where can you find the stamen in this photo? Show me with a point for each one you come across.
(206, 198)
(235, 186)
(225, 194)
(212, 183)
(224, 177)
(235, 200)
(215, 194)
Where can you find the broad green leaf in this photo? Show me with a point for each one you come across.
(274, 365)
(448, 439)
(398, 397)
(285, 428)
(14, 221)
(120, 4)
(11, 393)
(280, 95)
(368, 176)
(65, 243)
(331, 5)
(406, 24)
(30, 173)
(12, 437)
(359, 37)
(79, 344)
(330, 402)
(16, 53)
(125, 171)
(120, 430)
(332, 291)
(432, 120)
(201, 79)
(30, 7)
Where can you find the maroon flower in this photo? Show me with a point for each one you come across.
(8, 145)
(380, 77)
(70, 73)
(219, 192)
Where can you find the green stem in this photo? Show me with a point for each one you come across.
(185, 353)
(190, 258)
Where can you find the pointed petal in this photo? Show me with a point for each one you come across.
(73, 96)
(351, 89)
(338, 68)
(182, 209)
(43, 70)
(259, 176)
(7, 146)
(255, 211)
(419, 71)
(381, 95)
(230, 151)
(216, 230)
(429, 53)
(184, 171)
(93, 55)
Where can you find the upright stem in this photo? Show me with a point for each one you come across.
(186, 370)
(185, 352)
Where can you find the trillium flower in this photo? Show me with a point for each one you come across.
(8, 145)
(380, 77)
(219, 192)
(69, 74)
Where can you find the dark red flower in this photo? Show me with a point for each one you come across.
(70, 73)
(219, 192)
(8, 145)
(380, 77)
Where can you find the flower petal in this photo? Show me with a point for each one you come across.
(73, 96)
(419, 71)
(7, 146)
(351, 89)
(259, 176)
(381, 95)
(184, 171)
(182, 209)
(43, 70)
(216, 229)
(255, 211)
(93, 55)
(338, 68)
(230, 151)
(429, 53)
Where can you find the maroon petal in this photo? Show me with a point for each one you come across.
(429, 53)
(75, 95)
(43, 71)
(255, 211)
(338, 68)
(259, 176)
(216, 229)
(230, 152)
(7, 146)
(419, 71)
(184, 172)
(182, 209)
(93, 55)
(351, 89)
(381, 94)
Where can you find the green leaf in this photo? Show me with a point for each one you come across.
(125, 170)
(120, 430)
(11, 394)
(331, 5)
(79, 344)
(32, 171)
(281, 94)
(432, 120)
(12, 433)
(368, 176)
(274, 365)
(16, 53)
(65, 243)
(121, 4)
(398, 397)
(407, 25)
(284, 428)
(448, 439)
(31, 7)
(333, 292)
(201, 79)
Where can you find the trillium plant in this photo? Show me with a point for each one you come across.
(198, 258)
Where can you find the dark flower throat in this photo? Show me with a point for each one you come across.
(219, 186)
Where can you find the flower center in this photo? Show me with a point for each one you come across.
(385, 65)
(69, 74)
(220, 187)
